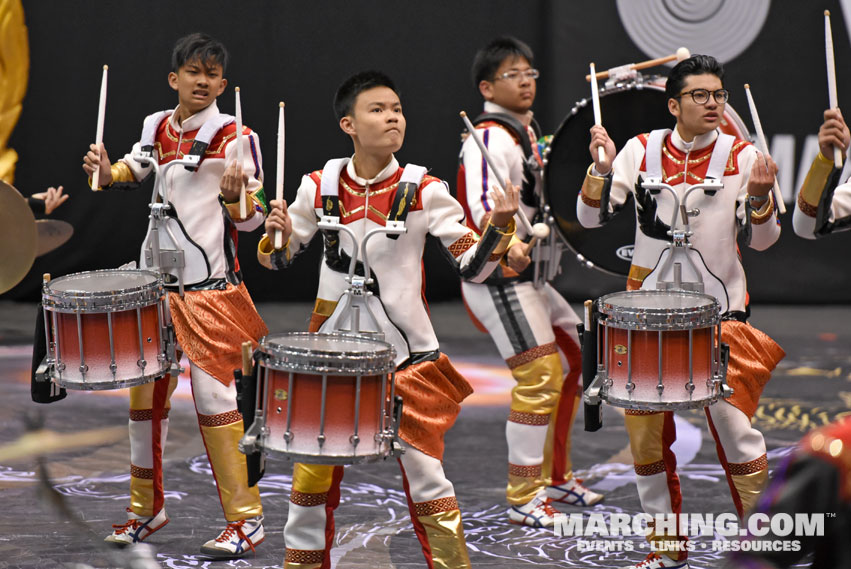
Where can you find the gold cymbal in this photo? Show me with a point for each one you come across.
(17, 237)
(51, 234)
(41, 442)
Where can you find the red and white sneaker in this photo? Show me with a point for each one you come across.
(656, 561)
(137, 528)
(237, 539)
(573, 493)
(536, 513)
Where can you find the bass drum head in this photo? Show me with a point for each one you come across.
(628, 110)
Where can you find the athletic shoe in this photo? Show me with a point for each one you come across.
(137, 528)
(536, 513)
(656, 561)
(237, 539)
(573, 493)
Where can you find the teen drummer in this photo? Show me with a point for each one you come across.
(215, 316)
(744, 209)
(534, 328)
(368, 190)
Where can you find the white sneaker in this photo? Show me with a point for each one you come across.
(536, 513)
(137, 528)
(237, 539)
(573, 493)
(656, 561)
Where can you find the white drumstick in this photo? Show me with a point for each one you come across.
(760, 135)
(243, 206)
(279, 171)
(831, 79)
(99, 133)
(521, 215)
(595, 99)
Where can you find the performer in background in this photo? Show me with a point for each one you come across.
(47, 201)
(824, 205)
(815, 480)
(533, 327)
(366, 191)
(744, 209)
(214, 316)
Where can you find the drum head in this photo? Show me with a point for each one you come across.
(660, 309)
(106, 281)
(627, 110)
(335, 354)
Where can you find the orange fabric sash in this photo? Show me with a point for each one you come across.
(753, 354)
(431, 393)
(211, 326)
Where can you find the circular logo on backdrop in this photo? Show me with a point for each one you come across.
(720, 28)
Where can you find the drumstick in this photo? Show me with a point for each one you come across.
(760, 135)
(521, 215)
(247, 349)
(243, 206)
(99, 133)
(682, 53)
(588, 305)
(279, 171)
(595, 99)
(831, 79)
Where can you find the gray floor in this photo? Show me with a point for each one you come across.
(811, 386)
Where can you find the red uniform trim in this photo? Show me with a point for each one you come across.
(674, 166)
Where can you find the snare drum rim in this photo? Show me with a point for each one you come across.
(76, 301)
(633, 318)
(322, 361)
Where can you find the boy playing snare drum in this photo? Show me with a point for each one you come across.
(365, 192)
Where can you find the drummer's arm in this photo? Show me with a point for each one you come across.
(823, 205)
(762, 218)
(474, 257)
(257, 205)
(603, 196)
(302, 222)
(479, 177)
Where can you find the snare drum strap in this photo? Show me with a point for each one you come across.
(406, 194)
(531, 157)
(202, 138)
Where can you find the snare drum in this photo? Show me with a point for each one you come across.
(660, 350)
(326, 398)
(105, 329)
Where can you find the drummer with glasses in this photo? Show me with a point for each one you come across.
(532, 325)
(692, 153)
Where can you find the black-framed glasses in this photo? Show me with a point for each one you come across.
(515, 75)
(701, 96)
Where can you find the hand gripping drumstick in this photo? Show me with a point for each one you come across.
(99, 133)
(760, 135)
(595, 99)
(831, 79)
(540, 230)
(243, 206)
(279, 171)
(682, 53)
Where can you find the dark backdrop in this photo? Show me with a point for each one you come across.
(299, 51)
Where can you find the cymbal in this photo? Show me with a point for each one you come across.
(17, 237)
(41, 442)
(51, 234)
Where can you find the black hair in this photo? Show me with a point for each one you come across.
(694, 65)
(198, 46)
(348, 91)
(489, 58)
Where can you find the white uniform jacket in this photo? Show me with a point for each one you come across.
(721, 216)
(195, 194)
(396, 263)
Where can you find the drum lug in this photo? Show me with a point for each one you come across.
(288, 437)
(142, 363)
(592, 394)
(84, 368)
(321, 440)
(354, 440)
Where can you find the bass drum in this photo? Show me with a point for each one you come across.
(628, 109)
